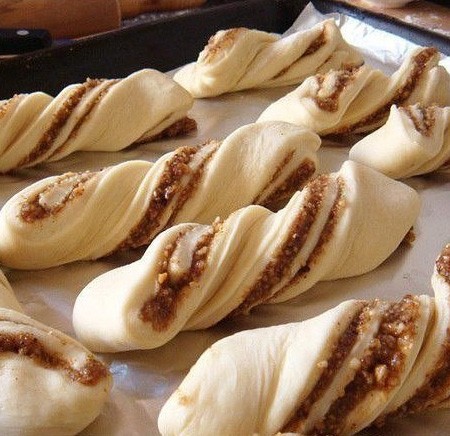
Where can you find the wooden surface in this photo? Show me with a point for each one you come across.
(420, 14)
(62, 18)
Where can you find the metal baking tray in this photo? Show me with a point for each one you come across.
(167, 42)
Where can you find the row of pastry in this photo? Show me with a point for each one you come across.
(338, 95)
(276, 243)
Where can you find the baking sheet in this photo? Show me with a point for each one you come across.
(143, 380)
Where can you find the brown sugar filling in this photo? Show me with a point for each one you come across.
(401, 95)
(32, 210)
(330, 103)
(337, 356)
(26, 344)
(293, 182)
(325, 236)
(277, 268)
(381, 365)
(169, 186)
(4, 107)
(161, 309)
(423, 118)
(59, 119)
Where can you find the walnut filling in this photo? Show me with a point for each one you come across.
(180, 127)
(325, 236)
(436, 387)
(280, 265)
(170, 185)
(401, 95)
(26, 344)
(220, 42)
(4, 107)
(59, 119)
(331, 366)
(161, 309)
(381, 365)
(443, 264)
(315, 45)
(293, 182)
(423, 118)
(54, 197)
(87, 112)
(327, 98)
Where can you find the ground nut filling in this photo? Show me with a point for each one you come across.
(381, 366)
(293, 182)
(65, 189)
(443, 264)
(26, 344)
(280, 265)
(219, 43)
(402, 94)
(180, 127)
(327, 98)
(171, 184)
(325, 236)
(5, 105)
(59, 119)
(161, 309)
(330, 367)
(423, 118)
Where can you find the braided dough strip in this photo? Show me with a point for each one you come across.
(88, 215)
(50, 383)
(415, 140)
(359, 363)
(358, 100)
(192, 276)
(98, 115)
(241, 58)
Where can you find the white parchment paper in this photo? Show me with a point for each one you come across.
(143, 380)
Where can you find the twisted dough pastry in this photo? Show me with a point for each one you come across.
(50, 383)
(192, 276)
(238, 59)
(98, 115)
(415, 140)
(357, 364)
(358, 99)
(88, 215)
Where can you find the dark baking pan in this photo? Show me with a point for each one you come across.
(166, 43)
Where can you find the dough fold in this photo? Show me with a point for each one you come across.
(415, 140)
(194, 275)
(356, 365)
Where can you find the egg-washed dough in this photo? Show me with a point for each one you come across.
(359, 363)
(358, 99)
(97, 115)
(50, 384)
(192, 276)
(415, 140)
(88, 215)
(238, 59)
